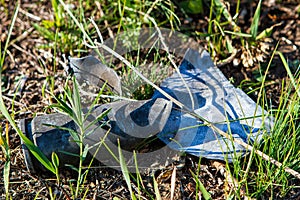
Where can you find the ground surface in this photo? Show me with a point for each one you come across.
(29, 66)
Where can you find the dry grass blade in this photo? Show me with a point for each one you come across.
(125, 171)
(173, 182)
(254, 25)
(156, 190)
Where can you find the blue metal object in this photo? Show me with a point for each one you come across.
(206, 95)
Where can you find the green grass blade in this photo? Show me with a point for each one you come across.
(55, 162)
(62, 105)
(77, 103)
(57, 13)
(254, 24)
(44, 32)
(220, 7)
(73, 133)
(156, 190)
(265, 33)
(6, 171)
(8, 38)
(287, 68)
(98, 118)
(95, 101)
(139, 179)
(36, 152)
(85, 152)
(125, 171)
(201, 187)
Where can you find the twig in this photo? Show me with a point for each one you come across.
(30, 15)
(23, 51)
(173, 182)
(23, 36)
(13, 101)
(11, 56)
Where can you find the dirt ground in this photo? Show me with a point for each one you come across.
(28, 67)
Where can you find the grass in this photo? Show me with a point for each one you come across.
(223, 34)
(71, 106)
(255, 177)
(4, 142)
(281, 145)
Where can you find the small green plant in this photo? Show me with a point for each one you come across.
(61, 32)
(225, 37)
(71, 106)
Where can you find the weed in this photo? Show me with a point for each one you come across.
(223, 32)
(71, 106)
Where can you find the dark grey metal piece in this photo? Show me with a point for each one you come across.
(134, 123)
(89, 71)
(49, 139)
